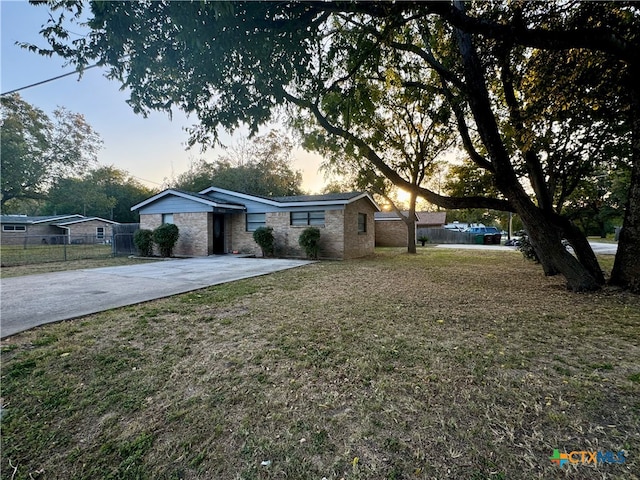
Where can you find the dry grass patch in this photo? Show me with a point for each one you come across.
(449, 364)
(36, 268)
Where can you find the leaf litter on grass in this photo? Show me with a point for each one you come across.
(441, 365)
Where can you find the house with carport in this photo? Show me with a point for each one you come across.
(218, 221)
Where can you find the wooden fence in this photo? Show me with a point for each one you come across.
(443, 235)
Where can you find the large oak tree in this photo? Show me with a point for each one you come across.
(238, 62)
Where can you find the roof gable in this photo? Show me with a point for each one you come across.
(32, 220)
(195, 197)
(87, 219)
(432, 218)
(384, 216)
(296, 200)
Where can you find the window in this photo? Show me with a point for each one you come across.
(362, 223)
(99, 233)
(255, 221)
(14, 228)
(308, 218)
(167, 218)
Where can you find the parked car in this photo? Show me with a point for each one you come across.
(490, 235)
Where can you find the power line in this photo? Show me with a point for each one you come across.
(145, 180)
(46, 81)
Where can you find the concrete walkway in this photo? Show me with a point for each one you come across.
(33, 300)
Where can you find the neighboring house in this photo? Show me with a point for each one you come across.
(391, 230)
(431, 219)
(53, 229)
(218, 221)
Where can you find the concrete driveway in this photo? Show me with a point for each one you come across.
(33, 300)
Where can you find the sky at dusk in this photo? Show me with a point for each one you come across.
(151, 149)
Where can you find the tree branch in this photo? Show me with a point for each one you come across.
(391, 174)
(600, 39)
(531, 158)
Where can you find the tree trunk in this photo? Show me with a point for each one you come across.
(411, 224)
(543, 231)
(545, 236)
(582, 249)
(626, 269)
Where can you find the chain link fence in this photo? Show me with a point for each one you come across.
(33, 249)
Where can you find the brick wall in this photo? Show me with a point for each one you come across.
(33, 235)
(359, 244)
(194, 232)
(339, 237)
(391, 233)
(151, 222)
(239, 239)
(285, 235)
(89, 230)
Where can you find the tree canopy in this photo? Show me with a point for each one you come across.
(106, 192)
(261, 166)
(516, 119)
(38, 150)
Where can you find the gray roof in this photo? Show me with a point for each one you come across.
(217, 197)
(29, 220)
(317, 198)
(431, 218)
(208, 198)
(392, 215)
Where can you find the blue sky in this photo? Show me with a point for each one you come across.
(151, 149)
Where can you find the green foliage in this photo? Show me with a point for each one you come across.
(37, 150)
(310, 241)
(263, 236)
(260, 167)
(423, 239)
(143, 240)
(539, 93)
(105, 192)
(166, 236)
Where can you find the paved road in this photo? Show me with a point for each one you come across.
(34, 300)
(599, 248)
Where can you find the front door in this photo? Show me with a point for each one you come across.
(217, 234)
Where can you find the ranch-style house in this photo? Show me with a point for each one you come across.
(216, 221)
(55, 229)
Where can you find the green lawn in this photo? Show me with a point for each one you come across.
(12, 255)
(46, 267)
(445, 365)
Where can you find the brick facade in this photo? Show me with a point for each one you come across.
(391, 233)
(195, 228)
(359, 244)
(240, 240)
(89, 230)
(80, 232)
(340, 237)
